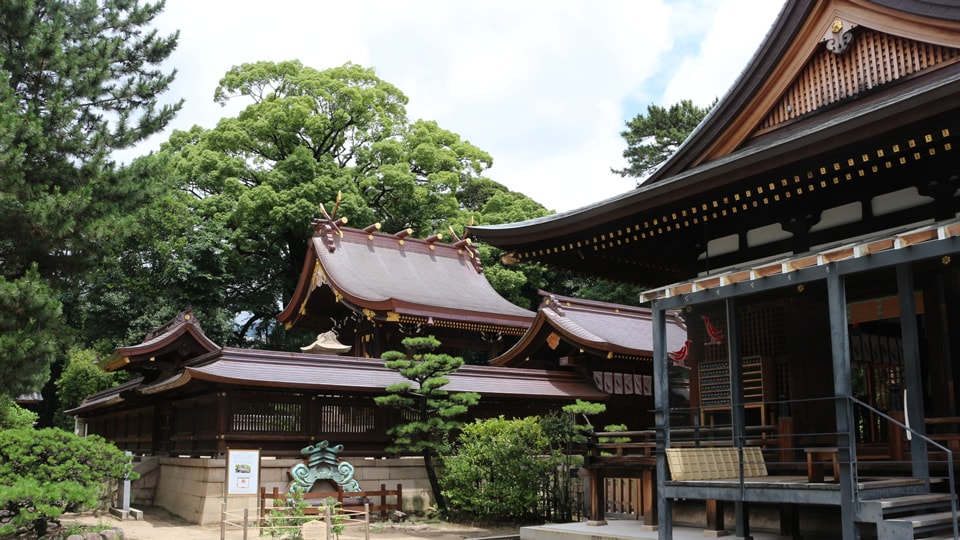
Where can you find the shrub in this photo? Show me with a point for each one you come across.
(497, 470)
(80, 378)
(13, 416)
(44, 473)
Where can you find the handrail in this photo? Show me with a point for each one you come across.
(953, 498)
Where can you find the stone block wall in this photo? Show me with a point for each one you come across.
(192, 488)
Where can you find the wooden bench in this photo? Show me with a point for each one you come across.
(347, 500)
(815, 460)
(715, 463)
(950, 439)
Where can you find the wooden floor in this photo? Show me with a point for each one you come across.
(790, 489)
(769, 489)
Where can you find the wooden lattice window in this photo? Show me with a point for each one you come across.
(266, 416)
(348, 418)
(871, 60)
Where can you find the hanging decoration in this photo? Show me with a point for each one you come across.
(715, 334)
(679, 357)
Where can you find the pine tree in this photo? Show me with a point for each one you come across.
(82, 80)
(653, 138)
(432, 410)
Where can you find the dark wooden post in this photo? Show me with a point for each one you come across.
(715, 526)
(895, 436)
(661, 400)
(223, 412)
(598, 498)
(648, 486)
(787, 450)
(789, 521)
(913, 378)
(842, 389)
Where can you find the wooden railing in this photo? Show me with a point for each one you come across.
(354, 500)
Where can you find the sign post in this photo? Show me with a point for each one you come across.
(243, 472)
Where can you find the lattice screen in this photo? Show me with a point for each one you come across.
(871, 60)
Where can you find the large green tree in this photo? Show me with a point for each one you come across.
(338, 137)
(654, 137)
(82, 80)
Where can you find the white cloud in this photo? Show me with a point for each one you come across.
(541, 86)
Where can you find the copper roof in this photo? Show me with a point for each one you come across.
(333, 373)
(180, 338)
(401, 277)
(597, 328)
(328, 373)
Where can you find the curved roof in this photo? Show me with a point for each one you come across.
(597, 328)
(329, 373)
(397, 276)
(179, 339)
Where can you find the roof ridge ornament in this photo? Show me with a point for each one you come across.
(839, 35)
(330, 225)
(555, 305)
(465, 244)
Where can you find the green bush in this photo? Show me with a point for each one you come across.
(80, 378)
(497, 470)
(44, 473)
(13, 416)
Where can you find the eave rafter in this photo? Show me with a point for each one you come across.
(853, 172)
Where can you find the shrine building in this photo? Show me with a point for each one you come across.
(807, 232)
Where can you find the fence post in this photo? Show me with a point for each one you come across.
(329, 517)
(383, 501)
(366, 521)
(246, 522)
(223, 520)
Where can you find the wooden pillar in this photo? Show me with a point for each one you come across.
(715, 527)
(843, 390)
(785, 443)
(661, 400)
(223, 413)
(649, 488)
(895, 436)
(913, 378)
(789, 522)
(598, 498)
(737, 415)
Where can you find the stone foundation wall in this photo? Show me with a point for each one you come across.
(192, 488)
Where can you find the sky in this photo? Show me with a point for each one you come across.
(545, 87)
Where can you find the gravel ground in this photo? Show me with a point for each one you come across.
(158, 524)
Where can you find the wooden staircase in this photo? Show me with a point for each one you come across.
(909, 516)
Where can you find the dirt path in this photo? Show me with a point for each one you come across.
(158, 524)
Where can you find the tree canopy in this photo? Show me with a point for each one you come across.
(248, 189)
(654, 137)
(220, 217)
(82, 80)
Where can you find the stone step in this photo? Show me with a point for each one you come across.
(925, 523)
(915, 500)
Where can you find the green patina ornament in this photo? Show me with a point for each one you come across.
(322, 464)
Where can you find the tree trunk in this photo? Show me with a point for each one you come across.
(434, 482)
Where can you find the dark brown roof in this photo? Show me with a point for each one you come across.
(333, 373)
(179, 339)
(597, 328)
(404, 278)
(328, 373)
